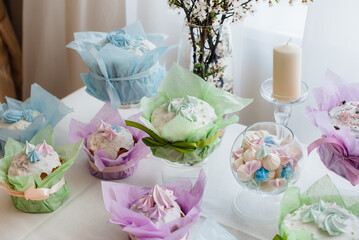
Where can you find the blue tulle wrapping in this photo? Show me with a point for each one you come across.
(140, 86)
(117, 74)
(51, 108)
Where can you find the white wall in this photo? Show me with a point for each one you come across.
(330, 31)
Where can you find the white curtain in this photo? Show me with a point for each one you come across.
(48, 26)
(327, 30)
(330, 42)
(253, 42)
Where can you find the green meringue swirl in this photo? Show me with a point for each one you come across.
(326, 217)
(184, 108)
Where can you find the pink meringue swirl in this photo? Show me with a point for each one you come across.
(253, 166)
(278, 183)
(44, 149)
(238, 153)
(257, 143)
(157, 212)
(163, 197)
(109, 133)
(103, 126)
(145, 203)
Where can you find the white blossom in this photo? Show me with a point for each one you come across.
(187, 3)
(210, 79)
(200, 10)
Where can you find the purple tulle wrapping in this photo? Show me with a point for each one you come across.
(342, 157)
(79, 130)
(119, 197)
(115, 175)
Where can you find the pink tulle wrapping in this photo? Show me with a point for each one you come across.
(79, 130)
(118, 198)
(334, 91)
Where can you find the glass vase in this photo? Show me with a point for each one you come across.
(258, 197)
(207, 52)
(172, 171)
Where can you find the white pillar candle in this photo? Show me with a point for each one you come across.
(287, 69)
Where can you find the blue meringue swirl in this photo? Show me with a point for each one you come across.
(119, 38)
(116, 127)
(287, 172)
(269, 141)
(12, 116)
(262, 174)
(28, 115)
(33, 156)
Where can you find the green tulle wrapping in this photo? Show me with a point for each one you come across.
(323, 189)
(68, 154)
(178, 83)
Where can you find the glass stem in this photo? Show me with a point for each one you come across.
(282, 113)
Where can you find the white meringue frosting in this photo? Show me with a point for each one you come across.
(249, 155)
(242, 174)
(271, 162)
(237, 163)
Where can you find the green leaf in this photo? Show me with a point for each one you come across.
(223, 68)
(198, 65)
(277, 237)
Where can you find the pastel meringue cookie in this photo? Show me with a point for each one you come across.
(253, 166)
(271, 175)
(249, 155)
(194, 110)
(113, 139)
(246, 142)
(277, 162)
(132, 43)
(278, 182)
(271, 162)
(266, 187)
(237, 163)
(346, 115)
(237, 153)
(18, 120)
(257, 135)
(40, 159)
(261, 133)
(159, 205)
(322, 220)
(287, 172)
(262, 175)
(242, 174)
(278, 172)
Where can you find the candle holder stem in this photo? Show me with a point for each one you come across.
(282, 113)
(282, 109)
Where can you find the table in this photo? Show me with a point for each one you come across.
(83, 215)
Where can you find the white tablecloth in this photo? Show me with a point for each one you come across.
(83, 215)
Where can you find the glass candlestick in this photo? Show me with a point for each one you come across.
(282, 109)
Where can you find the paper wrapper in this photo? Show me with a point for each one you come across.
(323, 189)
(68, 154)
(120, 197)
(51, 108)
(129, 160)
(338, 150)
(117, 74)
(178, 83)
